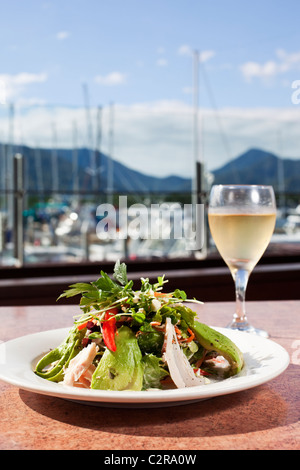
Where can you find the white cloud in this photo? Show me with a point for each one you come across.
(288, 61)
(61, 35)
(25, 78)
(185, 50)
(162, 62)
(148, 136)
(283, 63)
(113, 78)
(204, 56)
(254, 69)
(13, 85)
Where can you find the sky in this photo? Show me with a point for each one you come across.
(64, 63)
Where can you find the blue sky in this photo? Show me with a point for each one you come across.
(139, 55)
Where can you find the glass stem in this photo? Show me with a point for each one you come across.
(241, 280)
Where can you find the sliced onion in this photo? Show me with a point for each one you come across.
(180, 369)
(169, 356)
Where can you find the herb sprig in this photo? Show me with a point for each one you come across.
(106, 293)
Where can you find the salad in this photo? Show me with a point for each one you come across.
(126, 339)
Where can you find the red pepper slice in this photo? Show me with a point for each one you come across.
(202, 372)
(109, 328)
(82, 325)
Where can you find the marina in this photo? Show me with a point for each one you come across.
(62, 233)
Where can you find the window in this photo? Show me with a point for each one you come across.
(105, 109)
(73, 202)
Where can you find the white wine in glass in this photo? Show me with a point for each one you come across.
(242, 220)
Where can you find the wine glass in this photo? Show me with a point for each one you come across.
(241, 220)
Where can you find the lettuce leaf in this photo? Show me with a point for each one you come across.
(153, 372)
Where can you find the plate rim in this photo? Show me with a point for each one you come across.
(227, 386)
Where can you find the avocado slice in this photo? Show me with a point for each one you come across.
(212, 340)
(61, 355)
(122, 369)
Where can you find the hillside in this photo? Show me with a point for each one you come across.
(260, 167)
(252, 167)
(38, 173)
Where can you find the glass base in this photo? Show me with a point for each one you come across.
(245, 326)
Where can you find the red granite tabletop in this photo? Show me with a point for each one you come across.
(264, 417)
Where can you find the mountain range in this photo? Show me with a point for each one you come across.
(39, 175)
(255, 166)
(260, 167)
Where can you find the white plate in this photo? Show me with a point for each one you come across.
(264, 360)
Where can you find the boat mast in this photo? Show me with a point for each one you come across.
(38, 169)
(92, 168)
(54, 160)
(75, 162)
(9, 167)
(198, 189)
(110, 162)
(195, 127)
(280, 173)
(98, 156)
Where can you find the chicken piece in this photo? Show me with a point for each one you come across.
(85, 379)
(80, 365)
